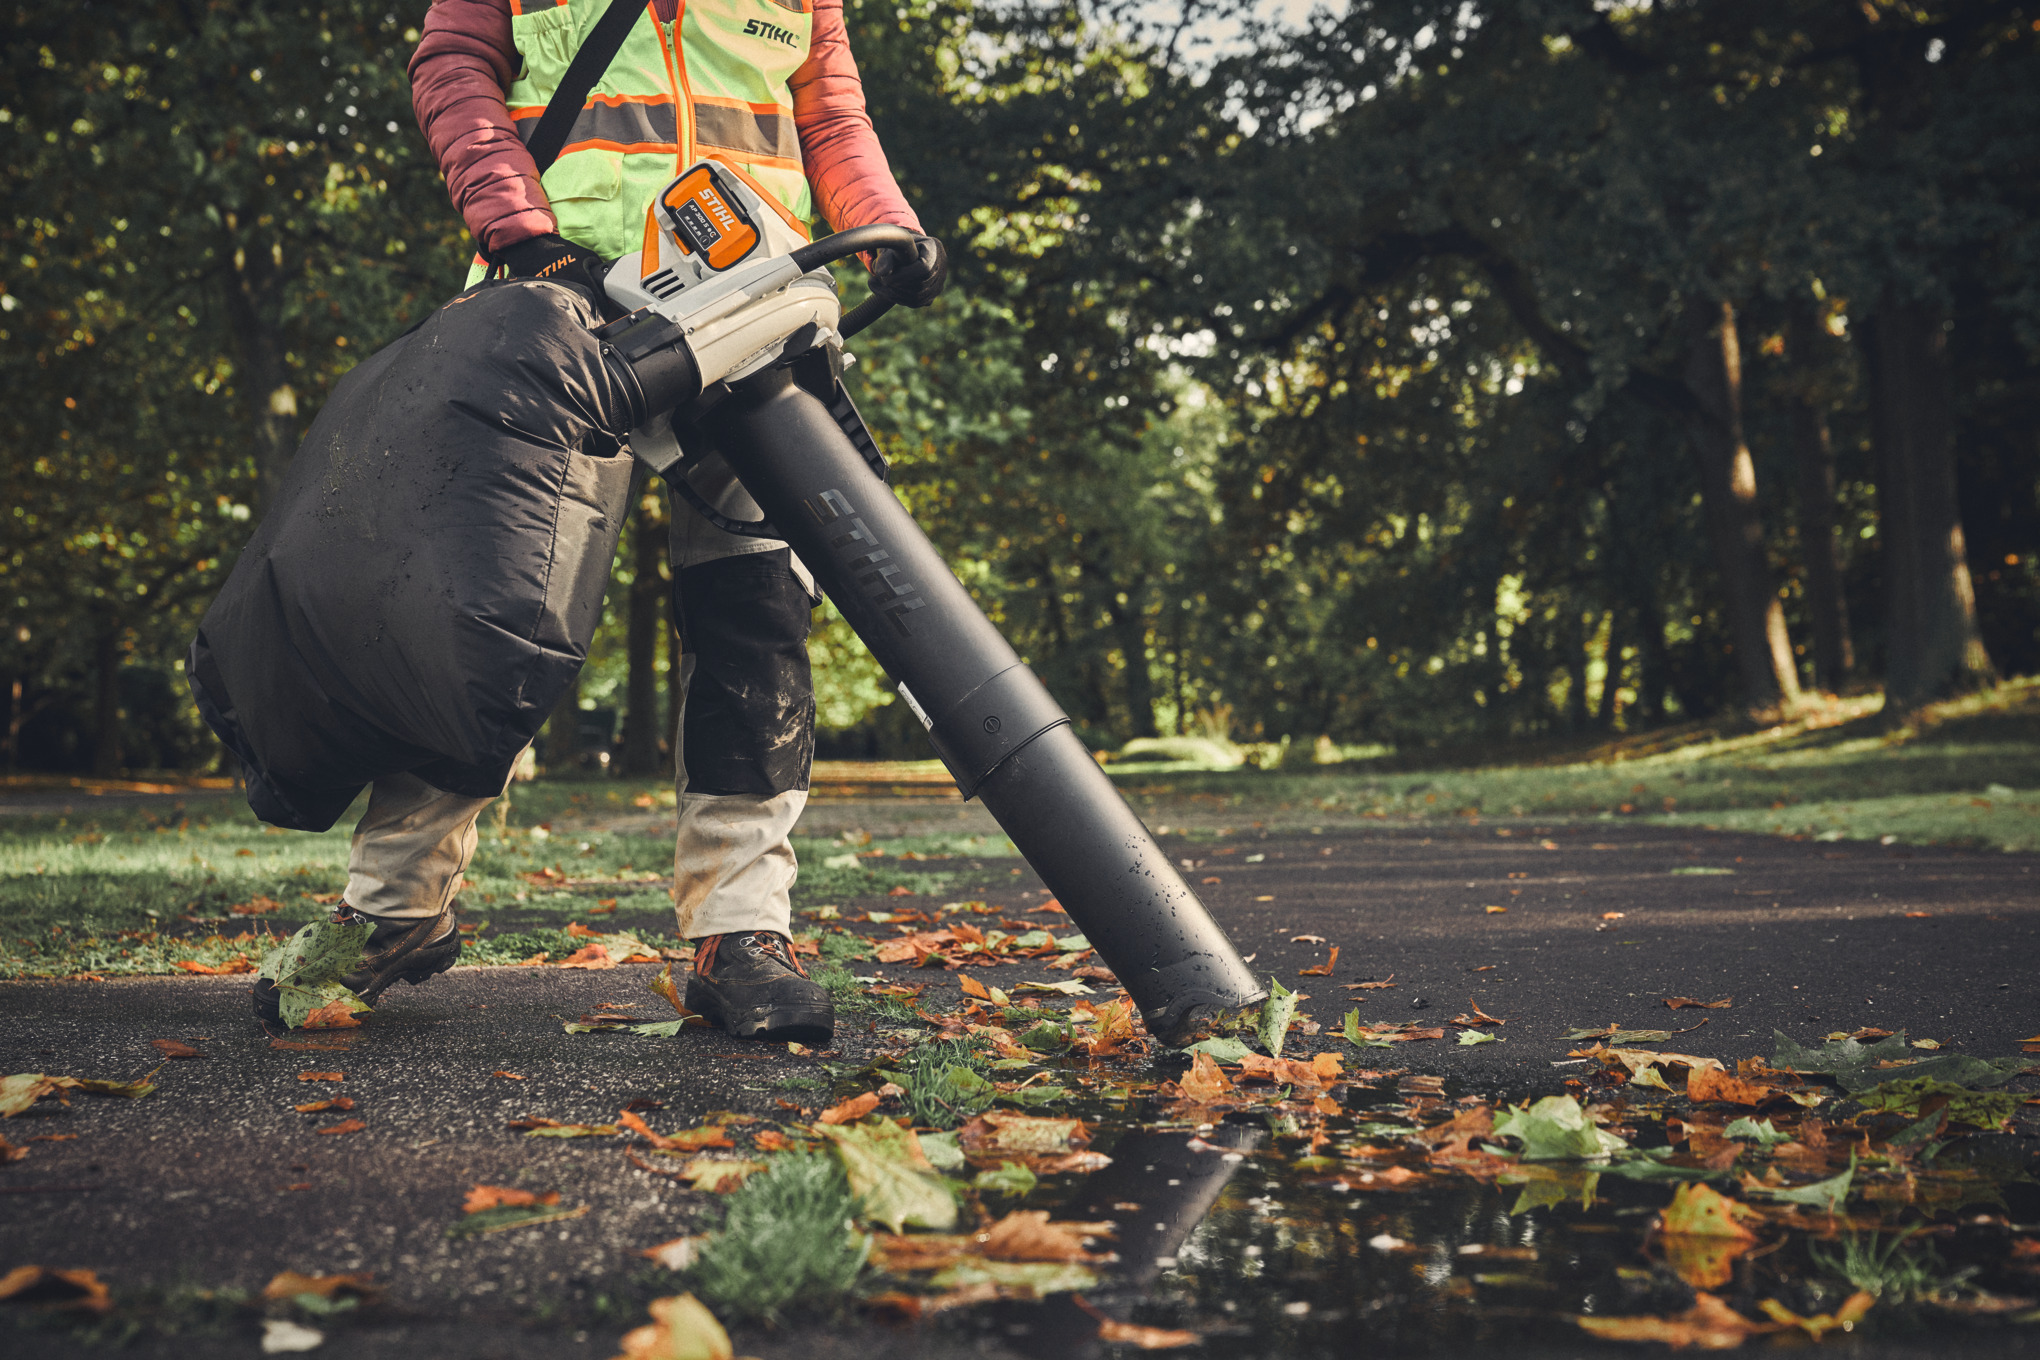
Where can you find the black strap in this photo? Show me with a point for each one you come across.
(605, 40)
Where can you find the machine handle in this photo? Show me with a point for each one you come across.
(862, 315)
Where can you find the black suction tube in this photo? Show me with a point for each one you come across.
(994, 724)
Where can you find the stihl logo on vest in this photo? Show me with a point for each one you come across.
(758, 28)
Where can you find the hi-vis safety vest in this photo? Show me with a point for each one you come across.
(713, 83)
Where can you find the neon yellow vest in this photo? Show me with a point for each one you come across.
(713, 83)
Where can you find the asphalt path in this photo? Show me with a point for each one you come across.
(216, 1182)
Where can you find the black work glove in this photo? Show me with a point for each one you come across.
(555, 259)
(915, 279)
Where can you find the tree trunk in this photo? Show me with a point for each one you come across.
(1576, 671)
(1932, 646)
(1652, 663)
(641, 642)
(1611, 679)
(106, 754)
(263, 380)
(1728, 489)
(1130, 623)
(562, 733)
(1827, 606)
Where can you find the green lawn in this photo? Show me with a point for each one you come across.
(143, 889)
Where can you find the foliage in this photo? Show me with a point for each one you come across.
(948, 1082)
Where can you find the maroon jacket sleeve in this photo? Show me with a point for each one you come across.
(853, 185)
(464, 63)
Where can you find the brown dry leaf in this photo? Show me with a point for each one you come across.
(1705, 1085)
(972, 987)
(240, 965)
(335, 1014)
(289, 1284)
(171, 1048)
(1324, 969)
(485, 1197)
(321, 1076)
(681, 1329)
(255, 906)
(1145, 1338)
(1306, 939)
(904, 1253)
(996, 1133)
(1206, 1082)
(910, 1307)
(11, 1153)
(1027, 1235)
(1680, 1003)
(1112, 1027)
(1497, 911)
(58, 1290)
(346, 1126)
(1388, 981)
(591, 956)
(1709, 1324)
(851, 1110)
(507, 1076)
(687, 1140)
(1459, 1133)
(336, 1103)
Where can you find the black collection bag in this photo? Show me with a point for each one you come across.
(426, 585)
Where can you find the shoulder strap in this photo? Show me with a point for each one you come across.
(605, 40)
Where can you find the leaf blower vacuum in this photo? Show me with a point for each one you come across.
(424, 612)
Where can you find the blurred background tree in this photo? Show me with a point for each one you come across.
(1426, 374)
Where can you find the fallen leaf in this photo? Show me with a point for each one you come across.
(719, 1175)
(240, 965)
(1845, 1317)
(1680, 1003)
(1497, 911)
(1206, 1082)
(1370, 986)
(56, 1290)
(346, 1126)
(1709, 1324)
(171, 1048)
(255, 906)
(972, 987)
(678, 1254)
(507, 1076)
(1016, 1279)
(1706, 1085)
(553, 1128)
(1324, 969)
(321, 1076)
(337, 1103)
(687, 1140)
(1134, 1335)
(890, 1173)
(1027, 1235)
(589, 956)
(681, 1329)
(1556, 1128)
(1276, 1013)
(851, 1110)
(11, 1153)
(338, 1013)
(485, 1197)
(289, 1285)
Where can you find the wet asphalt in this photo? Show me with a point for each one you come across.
(216, 1182)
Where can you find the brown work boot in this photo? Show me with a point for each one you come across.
(397, 951)
(750, 983)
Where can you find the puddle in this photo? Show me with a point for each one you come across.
(1236, 1229)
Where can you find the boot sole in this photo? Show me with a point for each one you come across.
(801, 1024)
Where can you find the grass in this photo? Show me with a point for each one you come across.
(786, 1242)
(1966, 772)
(141, 889)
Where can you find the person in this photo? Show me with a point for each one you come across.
(769, 89)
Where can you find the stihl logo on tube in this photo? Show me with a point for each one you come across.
(870, 564)
(758, 28)
(706, 222)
